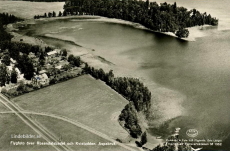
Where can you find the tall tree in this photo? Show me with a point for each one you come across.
(60, 14)
(54, 14)
(14, 76)
(26, 66)
(3, 74)
(182, 33)
(6, 60)
(64, 52)
(50, 14)
(144, 138)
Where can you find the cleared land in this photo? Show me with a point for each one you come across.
(3, 108)
(71, 133)
(11, 124)
(83, 99)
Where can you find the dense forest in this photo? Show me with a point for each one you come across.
(5, 19)
(164, 17)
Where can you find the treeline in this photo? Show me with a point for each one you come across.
(129, 120)
(164, 17)
(133, 90)
(51, 14)
(5, 19)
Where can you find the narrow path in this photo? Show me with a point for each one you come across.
(40, 130)
(76, 123)
(37, 128)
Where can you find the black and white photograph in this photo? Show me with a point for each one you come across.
(114, 75)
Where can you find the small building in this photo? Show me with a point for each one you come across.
(59, 67)
(58, 50)
(18, 71)
(52, 54)
(10, 86)
(9, 68)
(13, 61)
(61, 64)
(35, 62)
(31, 55)
(42, 71)
(21, 78)
(40, 79)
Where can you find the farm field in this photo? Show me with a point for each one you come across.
(10, 124)
(83, 99)
(71, 133)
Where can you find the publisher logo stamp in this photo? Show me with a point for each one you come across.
(192, 132)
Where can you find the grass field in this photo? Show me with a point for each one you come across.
(72, 133)
(84, 99)
(10, 124)
(3, 108)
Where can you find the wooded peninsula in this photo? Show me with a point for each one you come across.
(163, 18)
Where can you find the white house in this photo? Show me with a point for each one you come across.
(42, 71)
(52, 53)
(31, 55)
(40, 79)
(12, 61)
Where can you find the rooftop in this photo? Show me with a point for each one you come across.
(52, 52)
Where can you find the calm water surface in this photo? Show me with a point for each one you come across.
(199, 71)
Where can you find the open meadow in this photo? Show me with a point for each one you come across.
(10, 124)
(83, 99)
(68, 133)
(3, 108)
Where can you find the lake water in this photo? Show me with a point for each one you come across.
(195, 74)
(198, 73)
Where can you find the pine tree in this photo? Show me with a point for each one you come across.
(14, 75)
(54, 14)
(144, 138)
(60, 14)
(6, 60)
(3, 74)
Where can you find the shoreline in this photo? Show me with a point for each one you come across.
(194, 32)
(160, 107)
(85, 53)
(139, 26)
(161, 94)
